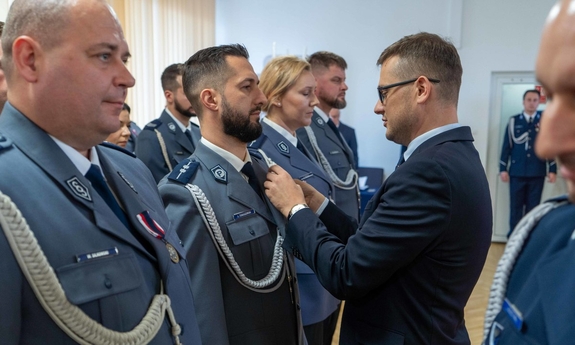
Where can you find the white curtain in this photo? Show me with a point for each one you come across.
(160, 33)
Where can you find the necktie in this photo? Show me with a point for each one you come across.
(530, 120)
(94, 175)
(248, 170)
(189, 135)
(400, 162)
(335, 130)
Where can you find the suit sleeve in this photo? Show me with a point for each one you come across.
(412, 213)
(202, 259)
(505, 151)
(11, 288)
(148, 151)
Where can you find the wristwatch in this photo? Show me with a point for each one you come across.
(295, 209)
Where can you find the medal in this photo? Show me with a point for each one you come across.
(173, 253)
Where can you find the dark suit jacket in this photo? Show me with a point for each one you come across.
(177, 144)
(340, 158)
(407, 273)
(69, 218)
(541, 283)
(520, 159)
(348, 134)
(231, 313)
(316, 303)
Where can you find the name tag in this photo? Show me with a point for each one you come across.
(334, 152)
(97, 255)
(513, 313)
(243, 214)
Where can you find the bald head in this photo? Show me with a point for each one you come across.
(556, 72)
(42, 20)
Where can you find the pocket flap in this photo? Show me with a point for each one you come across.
(247, 229)
(88, 281)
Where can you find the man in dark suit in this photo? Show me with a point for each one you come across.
(519, 165)
(167, 140)
(322, 137)
(532, 292)
(216, 203)
(94, 210)
(408, 271)
(347, 132)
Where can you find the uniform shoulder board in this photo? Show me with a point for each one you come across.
(5, 143)
(184, 171)
(118, 148)
(153, 125)
(256, 144)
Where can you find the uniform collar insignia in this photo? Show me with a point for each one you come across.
(171, 126)
(220, 174)
(319, 121)
(79, 189)
(283, 147)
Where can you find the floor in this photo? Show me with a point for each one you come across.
(475, 309)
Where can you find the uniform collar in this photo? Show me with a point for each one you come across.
(80, 162)
(237, 163)
(291, 138)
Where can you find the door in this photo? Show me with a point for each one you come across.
(507, 90)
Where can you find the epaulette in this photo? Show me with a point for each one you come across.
(184, 171)
(153, 125)
(118, 148)
(257, 144)
(5, 143)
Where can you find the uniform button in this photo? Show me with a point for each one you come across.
(181, 243)
(108, 283)
(253, 233)
(528, 155)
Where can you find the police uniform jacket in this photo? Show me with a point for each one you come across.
(70, 219)
(519, 159)
(541, 285)
(317, 304)
(178, 146)
(340, 158)
(230, 313)
(408, 271)
(348, 134)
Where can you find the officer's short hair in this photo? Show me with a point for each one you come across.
(170, 77)
(322, 60)
(534, 91)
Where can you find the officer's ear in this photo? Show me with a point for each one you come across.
(28, 58)
(169, 96)
(209, 99)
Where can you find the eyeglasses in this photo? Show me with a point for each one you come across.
(382, 95)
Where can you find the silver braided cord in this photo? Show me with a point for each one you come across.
(71, 319)
(508, 259)
(164, 149)
(209, 217)
(351, 178)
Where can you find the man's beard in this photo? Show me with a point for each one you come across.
(181, 110)
(239, 125)
(333, 102)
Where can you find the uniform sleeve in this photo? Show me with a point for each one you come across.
(411, 214)
(202, 259)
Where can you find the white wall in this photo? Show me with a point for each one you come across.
(491, 35)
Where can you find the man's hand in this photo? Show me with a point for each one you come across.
(552, 177)
(282, 191)
(504, 176)
(313, 198)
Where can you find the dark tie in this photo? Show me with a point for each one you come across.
(530, 120)
(335, 130)
(248, 170)
(94, 175)
(400, 162)
(189, 135)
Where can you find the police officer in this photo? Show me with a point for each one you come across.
(164, 142)
(519, 165)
